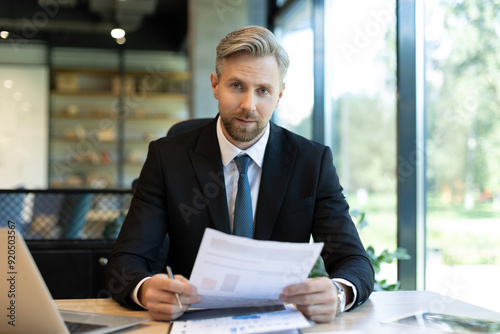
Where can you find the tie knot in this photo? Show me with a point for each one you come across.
(242, 163)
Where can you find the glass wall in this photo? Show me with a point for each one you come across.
(360, 113)
(463, 148)
(462, 145)
(360, 104)
(360, 100)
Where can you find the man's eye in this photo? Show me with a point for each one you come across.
(236, 86)
(264, 91)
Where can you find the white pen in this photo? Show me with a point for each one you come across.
(171, 276)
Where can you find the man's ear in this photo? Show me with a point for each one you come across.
(279, 96)
(215, 85)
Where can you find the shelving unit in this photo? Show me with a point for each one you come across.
(102, 121)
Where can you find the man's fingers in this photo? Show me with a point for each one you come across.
(161, 299)
(311, 310)
(162, 311)
(315, 298)
(167, 298)
(180, 284)
(318, 313)
(162, 304)
(181, 278)
(309, 299)
(157, 294)
(188, 300)
(189, 295)
(309, 286)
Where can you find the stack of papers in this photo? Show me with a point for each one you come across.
(288, 320)
(236, 272)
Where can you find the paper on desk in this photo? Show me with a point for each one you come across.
(284, 322)
(232, 271)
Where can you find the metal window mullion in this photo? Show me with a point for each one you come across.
(318, 115)
(410, 146)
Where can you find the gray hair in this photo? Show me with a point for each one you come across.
(253, 40)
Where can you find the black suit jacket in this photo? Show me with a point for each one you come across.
(181, 192)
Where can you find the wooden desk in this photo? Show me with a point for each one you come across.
(364, 319)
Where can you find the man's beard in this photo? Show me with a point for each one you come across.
(242, 133)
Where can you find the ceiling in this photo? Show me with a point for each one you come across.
(149, 24)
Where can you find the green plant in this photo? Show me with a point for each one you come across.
(385, 256)
(377, 260)
(319, 269)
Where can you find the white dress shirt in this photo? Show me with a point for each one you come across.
(228, 153)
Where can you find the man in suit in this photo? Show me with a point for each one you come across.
(189, 182)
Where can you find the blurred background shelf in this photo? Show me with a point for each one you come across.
(102, 120)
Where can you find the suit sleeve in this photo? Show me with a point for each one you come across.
(136, 249)
(343, 253)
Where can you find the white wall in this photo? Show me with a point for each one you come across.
(23, 126)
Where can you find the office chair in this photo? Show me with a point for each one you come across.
(187, 125)
(178, 128)
(174, 130)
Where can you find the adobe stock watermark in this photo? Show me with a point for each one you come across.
(145, 85)
(363, 36)
(330, 246)
(201, 198)
(450, 292)
(29, 27)
(11, 274)
(294, 274)
(116, 283)
(459, 116)
(222, 7)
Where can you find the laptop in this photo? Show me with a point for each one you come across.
(26, 305)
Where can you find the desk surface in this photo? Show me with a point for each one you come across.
(364, 319)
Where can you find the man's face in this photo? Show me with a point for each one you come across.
(248, 91)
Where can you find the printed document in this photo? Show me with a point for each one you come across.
(285, 322)
(232, 271)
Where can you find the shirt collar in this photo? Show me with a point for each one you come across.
(229, 151)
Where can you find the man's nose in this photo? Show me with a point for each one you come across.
(248, 102)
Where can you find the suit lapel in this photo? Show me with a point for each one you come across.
(207, 164)
(278, 162)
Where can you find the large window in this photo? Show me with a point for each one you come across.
(360, 102)
(360, 113)
(463, 148)
(461, 54)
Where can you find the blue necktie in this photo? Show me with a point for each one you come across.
(243, 215)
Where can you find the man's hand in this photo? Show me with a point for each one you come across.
(316, 298)
(158, 295)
